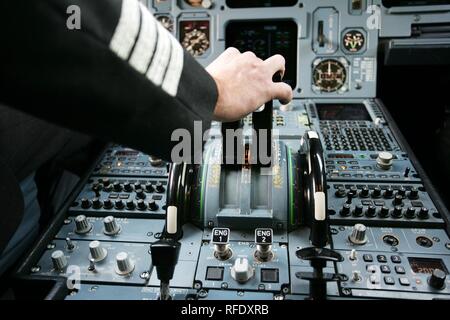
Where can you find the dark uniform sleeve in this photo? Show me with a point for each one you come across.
(121, 76)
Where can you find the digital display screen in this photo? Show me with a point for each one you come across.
(425, 265)
(260, 3)
(407, 3)
(265, 39)
(342, 111)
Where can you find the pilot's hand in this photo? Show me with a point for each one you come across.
(245, 83)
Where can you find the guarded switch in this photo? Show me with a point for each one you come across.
(242, 271)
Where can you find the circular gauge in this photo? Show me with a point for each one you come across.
(353, 41)
(166, 21)
(196, 42)
(329, 75)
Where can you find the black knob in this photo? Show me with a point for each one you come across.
(371, 211)
(358, 211)
(376, 192)
(413, 194)
(127, 187)
(401, 192)
(397, 212)
(410, 213)
(105, 181)
(437, 279)
(117, 186)
(398, 200)
(159, 187)
(85, 203)
(353, 191)
(107, 204)
(340, 192)
(96, 187)
(407, 170)
(140, 194)
(149, 187)
(141, 205)
(364, 192)
(130, 205)
(119, 204)
(152, 205)
(137, 186)
(345, 211)
(424, 213)
(96, 203)
(384, 212)
(389, 193)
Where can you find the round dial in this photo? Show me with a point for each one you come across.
(166, 21)
(196, 42)
(329, 75)
(353, 41)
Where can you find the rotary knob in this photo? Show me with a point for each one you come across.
(353, 191)
(141, 205)
(82, 225)
(137, 186)
(152, 205)
(358, 235)
(107, 204)
(424, 213)
(376, 193)
(119, 204)
(398, 200)
(410, 213)
(413, 194)
(340, 192)
(59, 260)
(127, 187)
(242, 271)
(85, 203)
(371, 211)
(401, 192)
(155, 162)
(159, 187)
(345, 211)
(105, 181)
(364, 192)
(384, 212)
(96, 203)
(97, 252)
(140, 194)
(130, 205)
(358, 211)
(437, 279)
(124, 265)
(110, 226)
(117, 186)
(384, 160)
(388, 193)
(149, 187)
(397, 212)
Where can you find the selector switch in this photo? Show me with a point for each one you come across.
(97, 252)
(152, 205)
(141, 205)
(364, 192)
(397, 212)
(96, 203)
(85, 203)
(376, 192)
(413, 194)
(242, 271)
(437, 279)
(159, 187)
(149, 187)
(124, 266)
(388, 193)
(59, 260)
(345, 211)
(371, 211)
(384, 160)
(358, 235)
(220, 239)
(384, 212)
(263, 241)
(424, 213)
(340, 192)
(110, 226)
(107, 204)
(82, 225)
(358, 211)
(410, 213)
(127, 187)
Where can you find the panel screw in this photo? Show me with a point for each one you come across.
(145, 275)
(35, 269)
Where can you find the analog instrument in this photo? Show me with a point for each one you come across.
(329, 75)
(195, 37)
(353, 41)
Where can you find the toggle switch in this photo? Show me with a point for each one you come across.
(220, 239)
(263, 241)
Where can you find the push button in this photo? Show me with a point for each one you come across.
(400, 270)
(269, 275)
(389, 280)
(385, 268)
(396, 259)
(404, 281)
(214, 273)
(367, 258)
(381, 258)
